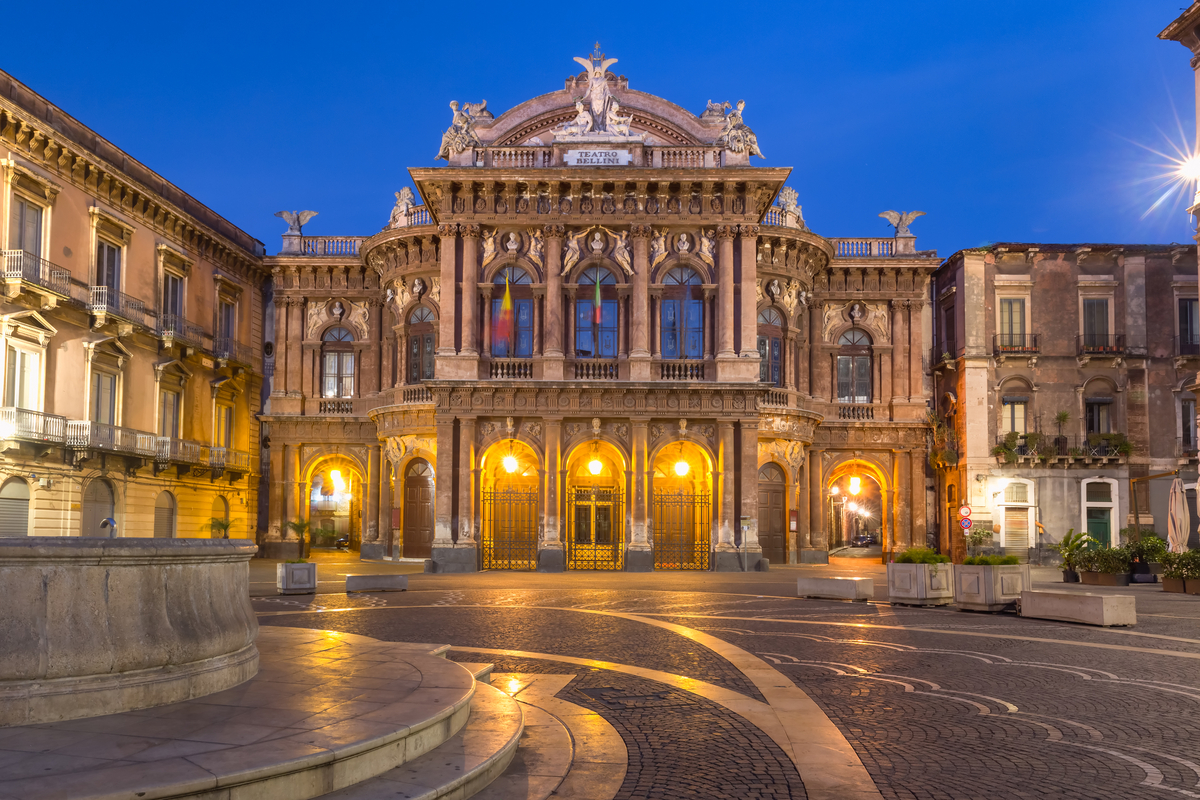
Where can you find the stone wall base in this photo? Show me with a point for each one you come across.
(552, 560)
(730, 561)
(280, 551)
(639, 561)
(454, 559)
(372, 550)
(814, 556)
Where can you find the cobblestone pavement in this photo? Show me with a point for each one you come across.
(936, 703)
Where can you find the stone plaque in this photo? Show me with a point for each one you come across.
(597, 158)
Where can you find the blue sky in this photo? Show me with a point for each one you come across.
(1012, 121)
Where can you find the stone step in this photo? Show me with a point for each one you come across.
(325, 711)
(482, 672)
(459, 768)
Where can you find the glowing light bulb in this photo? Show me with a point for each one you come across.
(834, 490)
(855, 485)
(681, 468)
(510, 463)
(595, 466)
(852, 506)
(339, 483)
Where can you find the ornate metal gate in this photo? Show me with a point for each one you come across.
(595, 535)
(510, 529)
(682, 525)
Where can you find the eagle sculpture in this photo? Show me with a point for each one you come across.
(901, 221)
(295, 219)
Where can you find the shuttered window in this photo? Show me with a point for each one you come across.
(22, 379)
(26, 231)
(14, 508)
(108, 269)
(164, 516)
(104, 396)
(97, 507)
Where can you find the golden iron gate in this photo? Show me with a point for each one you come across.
(682, 526)
(595, 533)
(510, 529)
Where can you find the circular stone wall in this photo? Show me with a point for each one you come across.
(101, 626)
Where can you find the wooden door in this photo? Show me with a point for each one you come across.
(418, 510)
(772, 508)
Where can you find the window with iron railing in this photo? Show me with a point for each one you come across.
(22, 378)
(108, 266)
(26, 227)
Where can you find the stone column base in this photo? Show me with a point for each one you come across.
(454, 559)
(814, 556)
(552, 559)
(288, 550)
(372, 550)
(639, 561)
(729, 561)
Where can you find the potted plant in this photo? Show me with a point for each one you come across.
(1068, 550)
(218, 528)
(988, 583)
(301, 528)
(1174, 574)
(1147, 551)
(1087, 564)
(1112, 566)
(1191, 571)
(920, 577)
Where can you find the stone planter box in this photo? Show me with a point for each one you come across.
(988, 588)
(1173, 585)
(921, 584)
(296, 578)
(1192, 586)
(104, 626)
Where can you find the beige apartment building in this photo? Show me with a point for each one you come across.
(130, 333)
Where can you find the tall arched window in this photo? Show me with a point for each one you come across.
(164, 516)
(517, 341)
(421, 343)
(14, 508)
(337, 363)
(220, 511)
(682, 317)
(98, 505)
(596, 325)
(854, 367)
(770, 346)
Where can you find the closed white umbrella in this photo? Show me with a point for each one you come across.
(1178, 521)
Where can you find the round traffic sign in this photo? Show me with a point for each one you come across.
(964, 511)
(965, 522)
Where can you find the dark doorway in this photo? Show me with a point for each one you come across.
(772, 511)
(418, 510)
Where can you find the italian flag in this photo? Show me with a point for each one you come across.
(503, 325)
(596, 312)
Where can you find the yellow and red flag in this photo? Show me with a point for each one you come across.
(503, 325)
(596, 313)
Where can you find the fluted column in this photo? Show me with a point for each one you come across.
(899, 384)
(470, 288)
(447, 319)
(639, 320)
(725, 235)
(748, 237)
(915, 347)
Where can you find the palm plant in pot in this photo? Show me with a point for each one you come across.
(1068, 550)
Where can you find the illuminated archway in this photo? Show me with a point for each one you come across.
(856, 502)
(509, 480)
(334, 502)
(595, 495)
(681, 506)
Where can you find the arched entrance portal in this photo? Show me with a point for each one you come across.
(772, 509)
(857, 506)
(681, 512)
(335, 503)
(418, 509)
(509, 479)
(595, 507)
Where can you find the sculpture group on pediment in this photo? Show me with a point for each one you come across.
(574, 250)
(461, 134)
(870, 316)
(400, 211)
(736, 135)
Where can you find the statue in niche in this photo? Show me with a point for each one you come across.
(597, 243)
(338, 310)
(579, 126)
(658, 248)
(683, 245)
(489, 247)
(461, 133)
(513, 244)
(536, 246)
(707, 247)
(774, 290)
(400, 211)
(597, 94)
(736, 136)
(620, 251)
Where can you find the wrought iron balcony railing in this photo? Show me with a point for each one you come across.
(170, 450)
(86, 435)
(230, 349)
(1016, 344)
(28, 268)
(105, 300)
(180, 330)
(1101, 344)
(1038, 445)
(1187, 345)
(31, 426)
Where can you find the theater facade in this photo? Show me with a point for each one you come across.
(601, 336)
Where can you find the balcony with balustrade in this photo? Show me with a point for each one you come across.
(1100, 345)
(105, 302)
(227, 461)
(23, 425)
(26, 272)
(1043, 449)
(182, 454)
(174, 329)
(83, 438)
(230, 350)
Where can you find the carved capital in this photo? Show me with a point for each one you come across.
(469, 231)
(747, 231)
(726, 231)
(640, 231)
(447, 230)
(554, 231)
(898, 304)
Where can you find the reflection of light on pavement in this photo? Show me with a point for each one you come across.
(514, 686)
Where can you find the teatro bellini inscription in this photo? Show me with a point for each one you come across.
(597, 158)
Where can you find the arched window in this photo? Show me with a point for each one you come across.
(682, 316)
(421, 343)
(596, 322)
(770, 346)
(98, 505)
(14, 508)
(164, 516)
(512, 337)
(220, 512)
(337, 363)
(854, 367)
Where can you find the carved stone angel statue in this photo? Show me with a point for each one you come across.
(621, 250)
(489, 247)
(658, 248)
(736, 135)
(536, 247)
(400, 211)
(580, 125)
(461, 133)
(574, 251)
(707, 246)
(597, 93)
(295, 219)
(901, 220)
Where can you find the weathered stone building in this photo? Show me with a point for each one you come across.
(1060, 372)
(130, 333)
(599, 338)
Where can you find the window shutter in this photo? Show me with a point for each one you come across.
(862, 379)
(164, 523)
(14, 517)
(843, 378)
